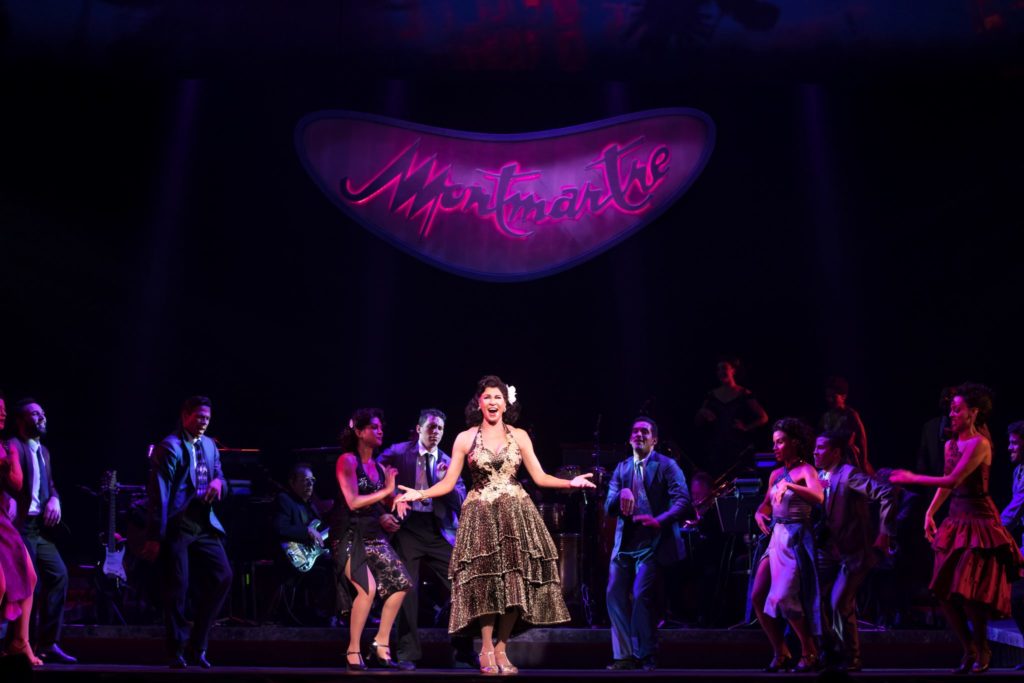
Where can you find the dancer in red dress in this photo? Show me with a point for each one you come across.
(976, 559)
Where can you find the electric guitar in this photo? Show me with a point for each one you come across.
(304, 555)
(113, 562)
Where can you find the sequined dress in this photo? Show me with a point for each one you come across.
(504, 556)
(976, 558)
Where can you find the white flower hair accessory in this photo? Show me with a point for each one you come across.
(351, 424)
(511, 394)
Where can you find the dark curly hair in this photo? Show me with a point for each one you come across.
(840, 438)
(976, 396)
(799, 432)
(359, 420)
(1016, 428)
(474, 416)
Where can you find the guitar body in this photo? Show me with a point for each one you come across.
(113, 565)
(303, 556)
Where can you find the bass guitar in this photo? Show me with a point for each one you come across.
(304, 555)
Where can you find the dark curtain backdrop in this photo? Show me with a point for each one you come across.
(161, 239)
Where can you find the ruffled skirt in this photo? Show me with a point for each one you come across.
(17, 569)
(504, 558)
(976, 558)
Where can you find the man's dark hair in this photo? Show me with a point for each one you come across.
(839, 438)
(297, 468)
(193, 402)
(1016, 428)
(838, 384)
(21, 406)
(431, 412)
(648, 420)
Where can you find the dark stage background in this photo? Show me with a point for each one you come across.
(160, 238)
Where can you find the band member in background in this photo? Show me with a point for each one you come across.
(840, 418)
(427, 533)
(1013, 516)
(184, 534)
(38, 513)
(17, 577)
(648, 494)
(845, 541)
(976, 559)
(295, 517)
(785, 581)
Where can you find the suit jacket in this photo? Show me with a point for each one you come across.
(23, 497)
(172, 482)
(402, 456)
(292, 518)
(669, 498)
(850, 531)
(1013, 513)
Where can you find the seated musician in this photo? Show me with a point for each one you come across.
(295, 517)
(297, 520)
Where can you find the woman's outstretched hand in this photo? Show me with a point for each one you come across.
(582, 482)
(409, 495)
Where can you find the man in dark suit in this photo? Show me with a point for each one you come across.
(1013, 516)
(185, 479)
(427, 533)
(38, 513)
(295, 518)
(648, 494)
(846, 543)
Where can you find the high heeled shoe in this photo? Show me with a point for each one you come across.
(361, 666)
(779, 663)
(488, 669)
(807, 664)
(981, 664)
(966, 664)
(384, 662)
(508, 668)
(21, 647)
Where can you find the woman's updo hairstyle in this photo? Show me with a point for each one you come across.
(475, 416)
(359, 420)
(800, 433)
(976, 396)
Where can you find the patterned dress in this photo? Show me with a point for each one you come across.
(504, 557)
(14, 562)
(358, 535)
(976, 558)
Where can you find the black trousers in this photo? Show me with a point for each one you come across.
(192, 552)
(419, 542)
(51, 589)
(838, 587)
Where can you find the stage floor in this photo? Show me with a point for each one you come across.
(236, 674)
(275, 653)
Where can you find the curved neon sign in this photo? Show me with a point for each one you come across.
(505, 207)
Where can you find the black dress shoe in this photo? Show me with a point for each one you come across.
(853, 665)
(198, 657)
(648, 664)
(627, 664)
(405, 665)
(55, 655)
(177, 661)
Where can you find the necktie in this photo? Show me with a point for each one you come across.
(423, 481)
(44, 479)
(202, 470)
(643, 506)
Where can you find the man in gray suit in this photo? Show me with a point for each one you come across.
(185, 479)
(38, 513)
(427, 533)
(846, 542)
(648, 494)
